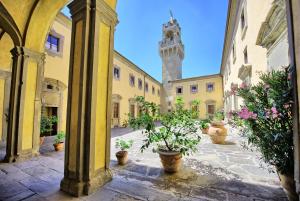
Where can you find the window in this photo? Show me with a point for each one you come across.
(229, 67)
(153, 90)
(243, 21)
(194, 89)
(209, 87)
(140, 83)
(132, 111)
(245, 56)
(179, 90)
(52, 43)
(158, 92)
(131, 80)
(169, 103)
(116, 73)
(233, 52)
(210, 109)
(49, 86)
(146, 87)
(116, 110)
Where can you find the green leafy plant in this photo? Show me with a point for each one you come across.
(59, 137)
(194, 107)
(267, 112)
(47, 123)
(178, 132)
(203, 124)
(125, 124)
(219, 116)
(123, 144)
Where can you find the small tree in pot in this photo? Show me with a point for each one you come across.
(59, 141)
(204, 126)
(178, 135)
(267, 112)
(122, 155)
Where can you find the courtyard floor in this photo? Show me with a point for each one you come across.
(215, 173)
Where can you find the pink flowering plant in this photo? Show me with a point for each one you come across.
(267, 112)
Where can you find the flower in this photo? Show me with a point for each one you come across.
(243, 85)
(246, 114)
(274, 110)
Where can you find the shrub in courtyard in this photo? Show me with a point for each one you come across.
(267, 112)
(122, 155)
(178, 135)
(46, 126)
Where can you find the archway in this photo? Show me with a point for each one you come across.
(86, 164)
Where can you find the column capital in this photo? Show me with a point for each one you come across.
(107, 14)
(23, 51)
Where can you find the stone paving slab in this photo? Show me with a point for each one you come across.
(215, 173)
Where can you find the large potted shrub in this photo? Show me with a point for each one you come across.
(46, 127)
(122, 154)
(267, 112)
(176, 137)
(217, 131)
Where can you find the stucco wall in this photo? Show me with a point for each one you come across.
(256, 11)
(203, 95)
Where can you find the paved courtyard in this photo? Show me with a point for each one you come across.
(216, 172)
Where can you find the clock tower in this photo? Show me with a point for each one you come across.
(171, 50)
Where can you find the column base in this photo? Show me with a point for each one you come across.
(79, 188)
(25, 155)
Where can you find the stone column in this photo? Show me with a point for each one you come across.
(25, 104)
(87, 151)
(293, 14)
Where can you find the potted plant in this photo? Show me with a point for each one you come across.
(59, 141)
(46, 127)
(204, 126)
(176, 137)
(217, 131)
(122, 155)
(267, 112)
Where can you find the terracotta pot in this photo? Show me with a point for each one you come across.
(171, 161)
(42, 138)
(205, 130)
(217, 132)
(58, 146)
(122, 157)
(289, 187)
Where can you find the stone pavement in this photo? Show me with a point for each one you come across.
(216, 172)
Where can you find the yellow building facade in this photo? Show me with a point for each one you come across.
(128, 82)
(207, 89)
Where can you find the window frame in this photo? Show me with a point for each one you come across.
(213, 88)
(119, 69)
(140, 83)
(191, 88)
(60, 45)
(132, 76)
(179, 87)
(146, 87)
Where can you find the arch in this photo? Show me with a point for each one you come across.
(40, 23)
(8, 25)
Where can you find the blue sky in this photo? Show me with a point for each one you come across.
(202, 23)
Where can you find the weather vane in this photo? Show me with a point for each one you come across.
(171, 14)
